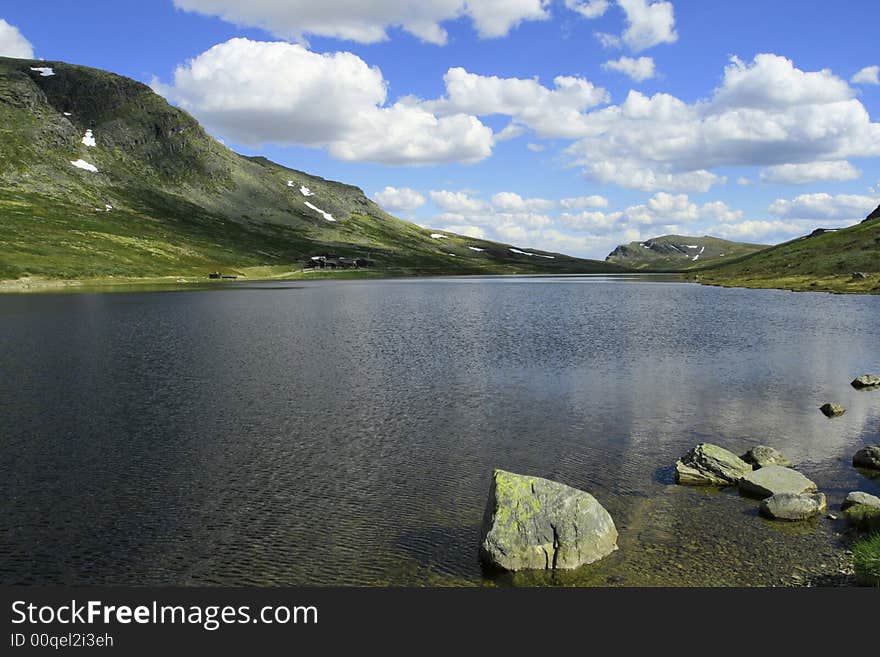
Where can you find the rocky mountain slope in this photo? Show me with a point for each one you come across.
(678, 252)
(100, 178)
(844, 260)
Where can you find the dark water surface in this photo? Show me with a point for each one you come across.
(344, 432)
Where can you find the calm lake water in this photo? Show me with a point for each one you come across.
(345, 432)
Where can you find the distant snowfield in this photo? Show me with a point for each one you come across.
(439, 236)
(67, 114)
(697, 257)
(305, 191)
(89, 139)
(44, 71)
(476, 248)
(326, 215)
(536, 255)
(82, 164)
(452, 254)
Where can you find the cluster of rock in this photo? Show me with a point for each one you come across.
(534, 523)
(762, 473)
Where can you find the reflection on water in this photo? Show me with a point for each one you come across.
(344, 432)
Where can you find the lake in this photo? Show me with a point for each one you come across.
(345, 432)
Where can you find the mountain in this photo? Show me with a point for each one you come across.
(100, 177)
(844, 260)
(678, 252)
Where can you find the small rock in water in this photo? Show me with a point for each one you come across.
(762, 456)
(866, 381)
(857, 497)
(538, 524)
(775, 479)
(868, 458)
(791, 507)
(710, 465)
(862, 510)
(832, 410)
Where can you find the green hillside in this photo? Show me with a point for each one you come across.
(678, 253)
(846, 260)
(147, 193)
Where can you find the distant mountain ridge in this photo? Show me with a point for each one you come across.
(678, 252)
(101, 177)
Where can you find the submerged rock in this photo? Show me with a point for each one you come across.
(775, 479)
(832, 410)
(762, 456)
(866, 381)
(862, 510)
(791, 507)
(534, 523)
(710, 465)
(868, 458)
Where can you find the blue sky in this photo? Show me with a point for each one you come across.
(569, 125)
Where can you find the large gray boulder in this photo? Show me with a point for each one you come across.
(868, 458)
(775, 479)
(762, 456)
(862, 510)
(866, 381)
(791, 507)
(532, 523)
(710, 465)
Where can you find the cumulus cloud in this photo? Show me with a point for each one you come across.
(588, 8)
(513, 202)
(868, 75)
(640, 69)
(255, 92)
(766, 231)
(368, 22)
(840, 209)
(583, 202)
(13, 43)
(648, 23)
(765, 113)
(809, 172)
(401, 199)
(556, 112)
(458, 202)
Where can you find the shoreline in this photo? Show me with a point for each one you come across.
(39, 284)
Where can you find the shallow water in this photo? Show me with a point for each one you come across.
(344, 432)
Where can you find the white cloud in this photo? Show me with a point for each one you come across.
(254, 92)
(468, 231)
(13, 43)
(536, 148)
(799, 174)
(401, 199)
(458, 202)
(513, 202)
(368, 22)
(771, 231)
(649, 23)
(842, 209)
(584, 202)
(588, 8)
(640, 69)
(766, 113)
(556, 112)
(868, 75)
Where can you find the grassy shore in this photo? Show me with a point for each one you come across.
(835, 283)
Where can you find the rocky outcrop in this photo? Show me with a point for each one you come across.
(762, 456)
(710, 465)
(793, 508)
(832, 410)
(867, 458)
(773, 480)
(534, 523)
(866, 381)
